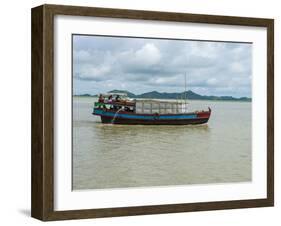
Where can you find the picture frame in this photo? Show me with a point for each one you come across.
(42, 170)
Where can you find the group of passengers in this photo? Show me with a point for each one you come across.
(109, 99)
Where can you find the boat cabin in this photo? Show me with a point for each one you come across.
(160, 107)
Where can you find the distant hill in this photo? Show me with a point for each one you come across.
(85, 95)
(189, 95)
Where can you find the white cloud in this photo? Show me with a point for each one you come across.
(212, 81)
(142, 65)
(89, 72)
(148, 55)
(81, 55)
(237, 67)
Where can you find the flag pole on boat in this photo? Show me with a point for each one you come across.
(185, 92)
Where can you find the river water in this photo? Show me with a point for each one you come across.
(120, 156)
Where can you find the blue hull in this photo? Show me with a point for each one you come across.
(108, 116)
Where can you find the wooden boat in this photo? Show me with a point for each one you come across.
(148, 112)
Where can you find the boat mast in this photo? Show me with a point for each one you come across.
(185, 92)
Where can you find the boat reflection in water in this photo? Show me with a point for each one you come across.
(119, 109)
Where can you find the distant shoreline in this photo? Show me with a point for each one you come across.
(190, 95)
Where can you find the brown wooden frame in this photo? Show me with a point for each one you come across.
(42, 198)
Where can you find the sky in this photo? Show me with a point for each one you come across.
(139, 65)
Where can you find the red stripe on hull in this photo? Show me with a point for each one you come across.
(109, 120)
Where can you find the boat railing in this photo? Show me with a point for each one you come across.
(161, 107)
(115, 103)
(147, 106)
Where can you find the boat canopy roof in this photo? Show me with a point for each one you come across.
(114, 94)
(154, 101)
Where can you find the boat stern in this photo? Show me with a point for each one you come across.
(204, 114)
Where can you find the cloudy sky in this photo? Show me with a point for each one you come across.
(101, 64)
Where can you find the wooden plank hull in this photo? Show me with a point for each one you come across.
(156, 122)
(125, 118)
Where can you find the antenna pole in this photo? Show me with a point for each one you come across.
(185, 92)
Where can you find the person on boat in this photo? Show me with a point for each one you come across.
(110, 99)
(128, 109)
(101, 98)
(117, 98)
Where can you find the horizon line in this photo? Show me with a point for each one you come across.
(163, 93)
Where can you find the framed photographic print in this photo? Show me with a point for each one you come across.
(141, 112)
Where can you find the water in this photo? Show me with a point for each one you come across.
(120, 156)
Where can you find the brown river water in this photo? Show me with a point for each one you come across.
(120, 156)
